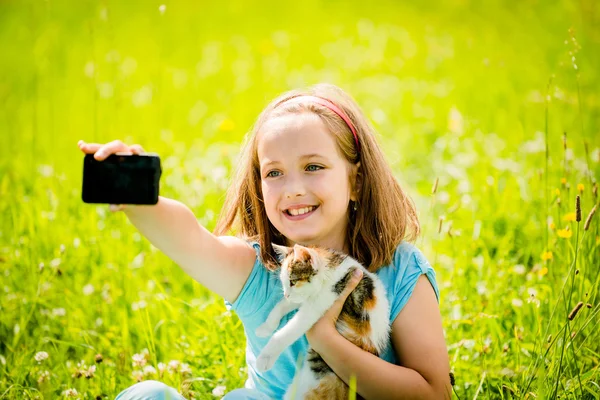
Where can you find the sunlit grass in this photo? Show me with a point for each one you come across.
(495, 105)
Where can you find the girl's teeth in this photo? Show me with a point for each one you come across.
(301, 211)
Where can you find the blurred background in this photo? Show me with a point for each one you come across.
(489, 113)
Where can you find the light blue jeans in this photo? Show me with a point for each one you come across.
(155, 390)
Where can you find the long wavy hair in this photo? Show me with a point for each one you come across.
(384, 215)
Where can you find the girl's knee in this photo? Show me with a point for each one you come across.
(149, 390)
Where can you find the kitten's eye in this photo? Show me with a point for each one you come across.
(293, 282)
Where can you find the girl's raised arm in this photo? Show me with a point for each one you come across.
(222, 264)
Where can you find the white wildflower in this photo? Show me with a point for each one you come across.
(59, 312)
(519, 269)
(43, 376)
(517, 302)
(137, 375)
(185, 369)
(149, 370)
(139, 360)
(88, 289)
(70, 393)
(219, 390)
(41, 356)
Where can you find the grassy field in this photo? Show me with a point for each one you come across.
(497, 102)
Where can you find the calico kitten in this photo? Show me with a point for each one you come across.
(312, 280)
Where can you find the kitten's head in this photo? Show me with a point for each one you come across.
(300, 270)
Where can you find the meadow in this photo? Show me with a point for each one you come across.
(488, 111)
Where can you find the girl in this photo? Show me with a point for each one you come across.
(311, 173)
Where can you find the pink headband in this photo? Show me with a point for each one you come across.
(328, 104)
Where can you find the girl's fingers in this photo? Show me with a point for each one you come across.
(116, 207)
(136, 149)
(110, 148)
(88, 148)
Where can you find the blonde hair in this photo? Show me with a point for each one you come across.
(385, 215)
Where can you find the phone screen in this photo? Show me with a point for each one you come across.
(121, 179)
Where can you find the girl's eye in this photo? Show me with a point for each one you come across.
(313, 167)
(270, 174)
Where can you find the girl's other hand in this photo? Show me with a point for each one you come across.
(102, 151)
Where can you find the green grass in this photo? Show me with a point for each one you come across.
(475, 94)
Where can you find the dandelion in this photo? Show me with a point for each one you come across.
(557, 192)
(227, 125)
(564, 233)
(552, 226)
(219, 390)
(580, 187)
(162, 367)
(588, 220)
(570, 217)
(563, 181)
(41, 356)
(543, 271)
(547, 255)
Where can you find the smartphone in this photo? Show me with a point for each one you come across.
(121, 179)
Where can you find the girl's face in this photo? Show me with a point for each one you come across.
(305, 181)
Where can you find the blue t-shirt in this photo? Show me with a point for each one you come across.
(263, 290)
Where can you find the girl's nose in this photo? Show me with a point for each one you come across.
(294, 188)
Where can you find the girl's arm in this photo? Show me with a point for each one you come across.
(419, 345)
(222, 264)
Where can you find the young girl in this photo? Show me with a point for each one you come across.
(311, 173)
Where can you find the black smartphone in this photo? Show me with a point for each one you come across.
(121, 179)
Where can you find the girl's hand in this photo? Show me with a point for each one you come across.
(325, 327)
(101, 151)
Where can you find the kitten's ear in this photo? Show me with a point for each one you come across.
(301, 253)
(281, 251)
(307, 254)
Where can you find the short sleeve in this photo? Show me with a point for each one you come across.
(256, 291)
(408, 265)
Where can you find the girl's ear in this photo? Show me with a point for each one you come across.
(281, 251)
(357, 181)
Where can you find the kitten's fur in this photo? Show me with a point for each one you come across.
(313, 279)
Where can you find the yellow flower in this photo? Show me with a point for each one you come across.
(580, 187)
(564, 233)
(557, 192)
(227, 125)
(543, 271)
(547, 255)
(563, 181)
(552, 226)
(569, 217)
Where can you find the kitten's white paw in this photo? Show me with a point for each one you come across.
(265, 362)
(265, 330)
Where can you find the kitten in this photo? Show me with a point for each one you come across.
(312, 280)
